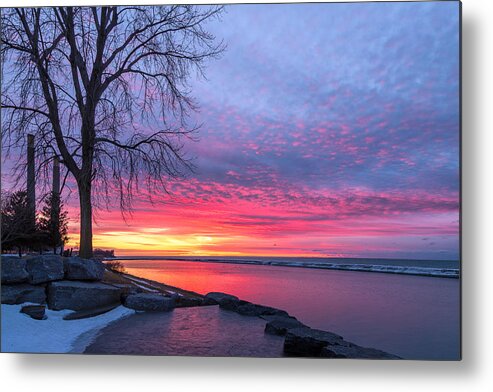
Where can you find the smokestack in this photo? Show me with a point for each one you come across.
(31, 181)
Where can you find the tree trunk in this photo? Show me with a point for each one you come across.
(85, 246)
(31, 180)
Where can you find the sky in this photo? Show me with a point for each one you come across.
(329, 130)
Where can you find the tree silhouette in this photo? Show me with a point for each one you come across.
(107, 90)
(53, 223)
(18, 229)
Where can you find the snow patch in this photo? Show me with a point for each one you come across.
(22, 334)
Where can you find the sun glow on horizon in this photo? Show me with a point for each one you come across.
(315, 155)
(378, 238)
(143, 243)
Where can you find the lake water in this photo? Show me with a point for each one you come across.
(198, 331)
(415, 317)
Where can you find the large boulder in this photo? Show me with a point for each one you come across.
(249, 309)
(307, 342)
(20, 293)
(281, 325)
(269, 311)
(77, 268)
(81, 295)
(14, 270)
(149, 302)
(216, 298)
(186, 302)
(44, 268)
(233, 303)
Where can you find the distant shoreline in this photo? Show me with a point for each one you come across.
(411, 270)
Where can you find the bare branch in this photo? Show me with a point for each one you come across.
(105, 89)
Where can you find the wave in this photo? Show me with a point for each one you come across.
(388, 269)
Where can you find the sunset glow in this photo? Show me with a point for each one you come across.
(239, 180)
(318, 138)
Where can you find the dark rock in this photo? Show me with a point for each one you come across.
(185, 302)
(268, 311)
(83, 269)
(126, 290)
(82, 314)
(281, 325)
(13, 270)
(307, 342)
(81, 295)
(149, 302)
(36, 312)
(20, 293)
(349, 350)
(44, 268)
(225, 301)
(248, 309)
(231, 304)
(218, 298)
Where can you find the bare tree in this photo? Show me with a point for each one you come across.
(107, 90)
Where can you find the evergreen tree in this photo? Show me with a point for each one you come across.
(53, 223)
(18, 229)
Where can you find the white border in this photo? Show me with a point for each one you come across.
(474, 373)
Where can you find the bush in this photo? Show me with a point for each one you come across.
(115, 266)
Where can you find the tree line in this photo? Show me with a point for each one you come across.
(49, 230)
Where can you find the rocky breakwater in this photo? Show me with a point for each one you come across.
(82, 285)
(57, 282)
(300, 340)
(88, 288)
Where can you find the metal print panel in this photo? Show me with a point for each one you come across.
(262, 180)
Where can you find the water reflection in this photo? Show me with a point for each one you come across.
(410, 316)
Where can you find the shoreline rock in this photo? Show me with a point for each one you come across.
(149, 302)
(77, 268)
(187, 302)
(307, 342)
(281, 325)
(45, 268)
(14, 270)
(217, 298)
(16, 294)
(315, 343)
(74, 295)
